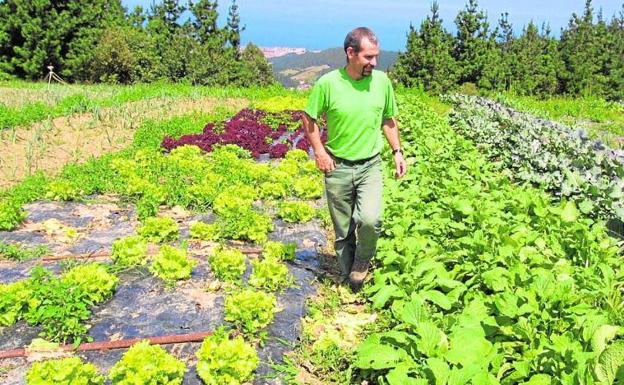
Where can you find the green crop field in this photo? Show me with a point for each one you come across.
(164, 221)
(484, 271)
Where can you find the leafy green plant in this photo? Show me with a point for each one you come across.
(269, 274)
(172, 264)
(250, 310)
(476, 273)
(60, 308)
(244, 224)
(294, 211)
(159, 229)
(145, 364)
(93, 279)
(279, 251)
(225, 361)
(11, 215)
(15, 299)
(204, 231)
(273, 190)
(227, 263)
(129, 251)
(63, 190)
(562, 161)
(325, 217)
(16, 252)
(66, 371)
(308, 187)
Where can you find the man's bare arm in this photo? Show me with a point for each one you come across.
(391, 131)
(313, 133)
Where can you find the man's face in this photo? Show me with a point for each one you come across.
(365, 60)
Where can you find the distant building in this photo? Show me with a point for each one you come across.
(303, 86)
(270, 52)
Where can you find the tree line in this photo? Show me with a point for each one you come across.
(587, 58)
(100, 41)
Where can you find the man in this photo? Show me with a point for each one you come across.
(359, 104)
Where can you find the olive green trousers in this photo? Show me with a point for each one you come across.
(354, 198)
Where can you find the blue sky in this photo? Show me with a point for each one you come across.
(318, 24)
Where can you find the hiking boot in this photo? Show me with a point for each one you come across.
(359, 269)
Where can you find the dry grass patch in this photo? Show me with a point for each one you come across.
(49, 145)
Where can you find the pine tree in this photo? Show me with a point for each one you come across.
(505, 43)
(580, 51)
(427, 60)
(614, 65)
(233, 28)
(38, 33)
(205, 20)
(469, 46)
(551, 64)
(171, 13)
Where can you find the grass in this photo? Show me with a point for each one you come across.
(46, 102)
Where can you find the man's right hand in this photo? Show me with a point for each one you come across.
(324, 162)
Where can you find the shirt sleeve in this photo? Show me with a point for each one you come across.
(317, 101)
(390, 109)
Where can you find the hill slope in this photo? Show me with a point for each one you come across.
(292, 68)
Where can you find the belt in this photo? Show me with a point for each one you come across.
(353, 162)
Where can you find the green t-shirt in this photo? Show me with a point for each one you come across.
(355, 111)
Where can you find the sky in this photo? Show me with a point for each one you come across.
(319, 24)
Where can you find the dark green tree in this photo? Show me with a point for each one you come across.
(233, 27)
(471, 42)
(580, 51)
(39, 33)
(534, 66)
(205, 20)
(427, 60)
(505, 38)
(614, 65)
(258, 70)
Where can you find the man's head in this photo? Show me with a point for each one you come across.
(362, 49)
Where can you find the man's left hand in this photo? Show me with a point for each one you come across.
(400, 165)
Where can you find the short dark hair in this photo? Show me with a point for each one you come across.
(354, 38)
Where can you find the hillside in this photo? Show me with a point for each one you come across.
(291, 69)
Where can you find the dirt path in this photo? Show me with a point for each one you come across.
(49, 145)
